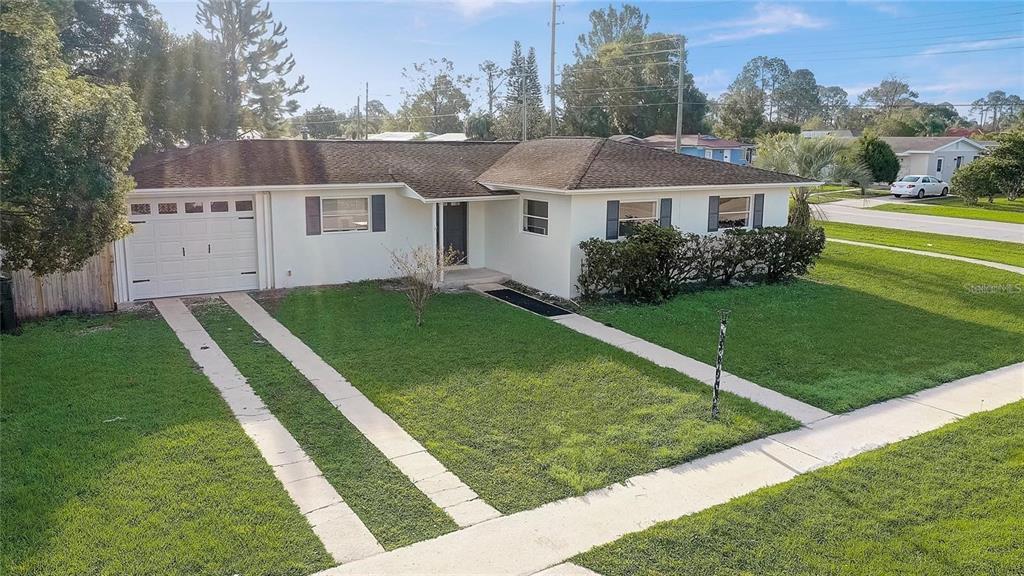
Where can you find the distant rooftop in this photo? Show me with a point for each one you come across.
(401, 136)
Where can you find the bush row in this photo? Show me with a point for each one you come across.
(655, 263)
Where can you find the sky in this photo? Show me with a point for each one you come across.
(947, 51)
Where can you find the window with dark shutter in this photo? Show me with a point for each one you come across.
(312, 215)
(611, 230)
(758, 210)
(713, 214)
(377, 219)
(665, 216)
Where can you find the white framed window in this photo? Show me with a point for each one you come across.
(535, 216)
(345, 214)
(633, 213)
(957, 162)
(708, 153)
(938, 165)
(734, 212)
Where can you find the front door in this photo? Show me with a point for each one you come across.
(455, 228)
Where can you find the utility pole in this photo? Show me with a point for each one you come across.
(679, 96)
(358, 108)
(554, 12)
(366, 114)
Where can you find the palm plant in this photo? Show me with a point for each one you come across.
(823, 159)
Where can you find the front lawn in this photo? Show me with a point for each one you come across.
(947, 502)
(867, 324)
(523, 410)
(990, 250)
(395, 511)
(833, 193)
(1002, 210)
(119, 457)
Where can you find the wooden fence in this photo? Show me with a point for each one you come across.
(90, 289)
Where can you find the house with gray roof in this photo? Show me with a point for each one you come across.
(262, 214)
(937, 156)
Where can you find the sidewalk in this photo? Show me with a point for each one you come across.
(534, 540)
(804, 413)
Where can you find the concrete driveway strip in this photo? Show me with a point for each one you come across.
(535, 540)
(801, 411)
(999, 265)
(1002, 231)
(343, 534)
(444, 488)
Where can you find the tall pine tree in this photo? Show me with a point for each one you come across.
(257, 94)
(523, 88)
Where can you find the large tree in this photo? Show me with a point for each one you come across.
(889, 96)
(624, 80)
(257, 92)
(767, 75)
(878, 156)
(835, 103)
(66, 145)
(522, 89)
(799, 97)
(435, 99)
(321, 122)
(740, 114)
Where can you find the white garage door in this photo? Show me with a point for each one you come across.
(191, 246)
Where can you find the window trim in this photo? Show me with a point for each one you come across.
(369, 215)
(656, 218)
(547, 219)
(709, 154)
(750, 212)
(938, 164)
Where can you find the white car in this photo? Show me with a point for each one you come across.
(919, 186)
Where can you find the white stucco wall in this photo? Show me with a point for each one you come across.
(535, 260)
(552, 263)
(336, 257)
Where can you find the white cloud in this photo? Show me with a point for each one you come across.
(973, 45)
(887, 8)
(768, 20)
(713, 83)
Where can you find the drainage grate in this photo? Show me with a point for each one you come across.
(527, 303)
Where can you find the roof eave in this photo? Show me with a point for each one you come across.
(642, 189)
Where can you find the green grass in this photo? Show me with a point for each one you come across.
(523, 410)
(947, 502)
(866, 324)
(394, 510)
(1002, 210)
(990, 250)
(119, 457)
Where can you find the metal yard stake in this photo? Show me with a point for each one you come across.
(723, 316)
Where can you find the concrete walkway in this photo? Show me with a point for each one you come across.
(805, 413)
(344, 535)
(445, 489)
(1002, 231)
(999, 265)
(531, 541)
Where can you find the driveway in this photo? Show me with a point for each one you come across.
(1003, 231)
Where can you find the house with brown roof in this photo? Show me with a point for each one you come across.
(262, 214)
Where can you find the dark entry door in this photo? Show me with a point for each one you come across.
(455, 228)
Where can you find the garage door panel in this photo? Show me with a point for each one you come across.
(220, 253)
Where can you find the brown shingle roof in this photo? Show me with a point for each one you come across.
(432, 169)
(589, 163)
(440, 169)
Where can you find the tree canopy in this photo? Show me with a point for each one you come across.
(67, 143)
(435, 98)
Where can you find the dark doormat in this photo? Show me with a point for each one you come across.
(528, 303)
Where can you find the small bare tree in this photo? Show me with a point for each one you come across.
(420, 274)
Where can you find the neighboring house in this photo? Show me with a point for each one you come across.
(705, 146)
(401, 136)
(937, 156)
(449, 137)
(823, 133)
(264, 214)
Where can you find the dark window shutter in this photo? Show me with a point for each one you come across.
(312, 215)
(758, 210)
(377, 216)
(611, 229)
(712, 213)
(665, 217)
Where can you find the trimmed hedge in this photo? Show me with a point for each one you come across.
(655, 263)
